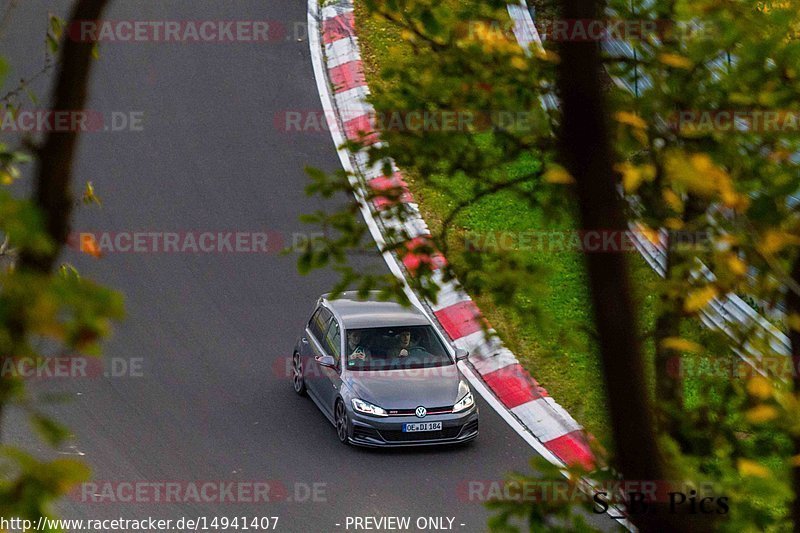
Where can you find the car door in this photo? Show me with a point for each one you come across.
(312, 348)
(330, 377)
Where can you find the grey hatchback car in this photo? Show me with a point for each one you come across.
(383, 375)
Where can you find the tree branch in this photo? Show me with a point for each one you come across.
(52, 193)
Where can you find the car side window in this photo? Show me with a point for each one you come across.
(318, 325)
(333, 340)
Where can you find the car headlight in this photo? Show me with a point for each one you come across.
(367, 408)
(464, 403)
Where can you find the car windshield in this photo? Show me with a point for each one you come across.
(394, 348)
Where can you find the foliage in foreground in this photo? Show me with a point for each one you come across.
(47, 309)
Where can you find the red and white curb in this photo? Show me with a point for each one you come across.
(343, 91)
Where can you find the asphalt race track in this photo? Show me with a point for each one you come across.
(212, 330)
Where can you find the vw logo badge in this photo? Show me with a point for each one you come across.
(421, 412)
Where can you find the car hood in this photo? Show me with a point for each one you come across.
(407, 388)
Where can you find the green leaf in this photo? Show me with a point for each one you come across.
(56, 25)
(50, 430)
(52, 44)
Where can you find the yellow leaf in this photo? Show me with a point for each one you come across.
(633, 176)
(706, 169)
(89, 196)
(673, 223)
(697, 299)
(793, 321)
(761, 414)
(751, 468)
(650, 234)
(675, 60)
(775, 240)
(794, 460)
(681, 345)
(672, 200)
(519, 62)
(699, 174)
(680, 169)
(731, 198)
(736, 265)
(641, 136)
(559, 175)
(759, 387)
(492, 38)
(631, 119)
(727, 241)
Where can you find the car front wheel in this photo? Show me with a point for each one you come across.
(341, 422)
(298, 381)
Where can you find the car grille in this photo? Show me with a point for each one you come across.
(412, 412)
(400, 436)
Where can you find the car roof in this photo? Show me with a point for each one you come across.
(370, 312)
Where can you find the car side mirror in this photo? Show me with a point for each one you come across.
(461, 354)
(326, 360)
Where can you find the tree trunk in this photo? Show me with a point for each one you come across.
(53, 195)
(584, 142)
(793, 308)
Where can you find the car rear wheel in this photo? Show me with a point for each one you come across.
(298, 381)
(341, 422)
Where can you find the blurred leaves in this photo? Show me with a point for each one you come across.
(61, 310)
(29, 486)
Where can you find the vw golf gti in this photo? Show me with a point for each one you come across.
(383, 375)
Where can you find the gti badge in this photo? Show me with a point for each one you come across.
(421, 412)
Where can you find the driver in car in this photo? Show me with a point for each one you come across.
(407, 346)
(355, 349)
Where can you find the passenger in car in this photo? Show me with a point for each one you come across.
(355, 349)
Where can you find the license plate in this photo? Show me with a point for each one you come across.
(422, 426)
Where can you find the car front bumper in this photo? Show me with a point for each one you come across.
(388, 431)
